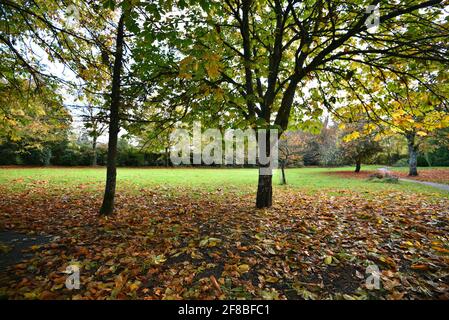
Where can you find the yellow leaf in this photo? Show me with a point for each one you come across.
(212, 65)
(271, 279)
(184, 68)
(134, 286)
(351, 136)
(159, 259)
(398, 113)
(30, 295)
(243, 268)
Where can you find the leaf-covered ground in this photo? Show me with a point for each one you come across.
(162, 245)
(438, 175)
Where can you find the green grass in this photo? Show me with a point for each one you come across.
(236, 180)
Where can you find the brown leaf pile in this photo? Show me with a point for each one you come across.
(433, 175)
(438, 175)
(218, 246)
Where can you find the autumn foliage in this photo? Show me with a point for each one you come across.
(211, 247)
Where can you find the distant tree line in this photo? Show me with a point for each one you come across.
(328, 148)
(76, 153)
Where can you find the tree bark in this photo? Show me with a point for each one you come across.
(284, 181)
(167, 159)
(264, 191)
(426, 156)
(413, 155)
(107, 207)
(358, 165)
(264, 196)
(94, 151)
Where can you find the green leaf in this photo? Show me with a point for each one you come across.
(109, 4)
(328, 260)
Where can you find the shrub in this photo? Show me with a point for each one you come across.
(390, 179)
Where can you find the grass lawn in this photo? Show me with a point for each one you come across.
(195, 234)
(308, 180)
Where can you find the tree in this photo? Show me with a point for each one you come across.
(411, 106)
(80, 34)
(261, 55)
(94, 124)
(416, 117)
(156, 139)
(80, 41)
(328, 145)
(122, 101)
(290, 147)
(107, 208)
(356, 147)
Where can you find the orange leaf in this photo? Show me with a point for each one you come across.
(419, 267)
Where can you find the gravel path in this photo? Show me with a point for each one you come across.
(440, 186)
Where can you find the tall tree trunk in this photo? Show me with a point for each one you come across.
(413, 155)
(264, 191)
(426, 156)
(167, 160)
(358, 165)
(107, 207)
(94, 151)
(284, 181)
(264, 196)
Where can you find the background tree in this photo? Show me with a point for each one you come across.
(411, 106)
(358, 147)
(290, 147)
(153, 139)
(95, 125)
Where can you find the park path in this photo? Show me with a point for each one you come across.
(15, 249)
(440, 186)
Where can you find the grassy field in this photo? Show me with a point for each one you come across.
(242, 181)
